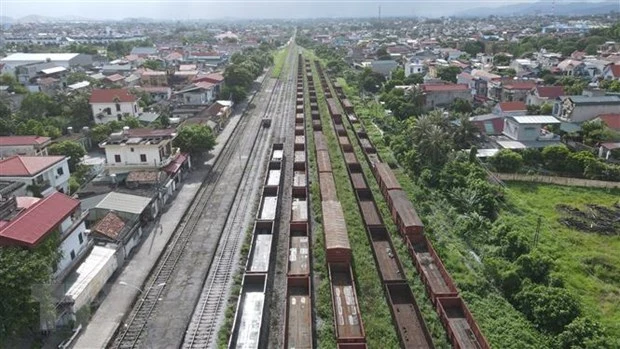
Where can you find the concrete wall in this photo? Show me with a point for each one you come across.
(445, 98)
(130, 108)
(130, 154)
(72, 244)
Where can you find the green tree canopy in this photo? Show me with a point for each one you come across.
(195, 139)
(549, 308)
(448, 73)
(74, 151)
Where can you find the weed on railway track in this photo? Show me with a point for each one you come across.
(373, 305)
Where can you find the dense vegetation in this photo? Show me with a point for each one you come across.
(195, 139)
(509, 282)
(245, 67)
(25, 288)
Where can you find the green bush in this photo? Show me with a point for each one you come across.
(555, 156)
(507, 161)
(549, 308)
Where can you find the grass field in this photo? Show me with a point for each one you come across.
(588, 262)
(278, 61)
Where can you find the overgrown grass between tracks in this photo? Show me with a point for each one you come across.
(503, 326)
(378, 324)
(279, 59)
(322, 302)
(429, 315)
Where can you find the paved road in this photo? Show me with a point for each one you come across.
(101, 328)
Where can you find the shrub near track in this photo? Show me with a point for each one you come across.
(501, 323)
(378, 324)
(430, 316)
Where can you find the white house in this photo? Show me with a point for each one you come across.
(530, 128)
(202, 92)
(40, 217)
(47, 173)
(584, 108)
(112, 104)
(612, 72)
(414, 66)
(23, 145)
(139, 149)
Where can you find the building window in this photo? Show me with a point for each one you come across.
(118, 107)
(142, 157)
(117, 158)
(131, 149)
(81, 238)
(60, 171)
(72, 254)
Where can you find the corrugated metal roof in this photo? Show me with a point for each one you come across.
(90, 269)
(536, 119)
(124, 203)
(595, 100)
(16, 57)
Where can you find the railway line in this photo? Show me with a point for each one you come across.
(349, 328)
(461, 328)
(408, 320)
(172, 288)
(209, 310)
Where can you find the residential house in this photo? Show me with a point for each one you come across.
(210, 57)
(154, 78)
(516, 90)
(122, 69)
(23, 145)
(444, 95)
(488, 124)
(611, 120)
(523, 66)
(415, 66)
(571, 67)
(384, 68)
(506, 109)
(112, 104)
(157, 93)
(544, 94)
(531, 128)
(143, 52)
(583, 108)
(123, 234)
(139, 149)
(37, 218)
(216, 79)
(612, 72)
(114, 79)
(199, 93)
(42, 175)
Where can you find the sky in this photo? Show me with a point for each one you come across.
(256, 9)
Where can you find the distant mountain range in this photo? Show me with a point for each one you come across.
(544, 8)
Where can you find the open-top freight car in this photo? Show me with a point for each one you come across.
(462, 329)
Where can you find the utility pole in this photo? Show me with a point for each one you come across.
(537, 234)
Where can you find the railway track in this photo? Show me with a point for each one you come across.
(131, 334)
(208, 315)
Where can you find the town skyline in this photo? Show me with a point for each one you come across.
(258, 9)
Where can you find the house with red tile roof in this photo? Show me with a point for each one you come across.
(23, 145)
(611, 120)
(56, 213)
(216, 78)
(510, 109)
(42, 175)
(443, 95)
(198, 93)
(516, 90)
(612, 72)
(112, 104)
(544, 94)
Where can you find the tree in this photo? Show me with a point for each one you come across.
(38, 105)
(235, 93)
(535, 266)
(501, 60)
(448, 73)
(507, 160)
(555, 157)
(546, 109)
(582, 333)
(22, 273)
(195, 139)
(549, 308)
(73, 150)
(382, 54)
(462, 106)
(414, 79)
(153, 64)
(473, 47)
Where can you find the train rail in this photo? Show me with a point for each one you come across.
(408, 320)
(461, 327)
(348, 323)
(130, 335)
(202, 329)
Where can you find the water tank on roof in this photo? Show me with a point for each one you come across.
(125, 128)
